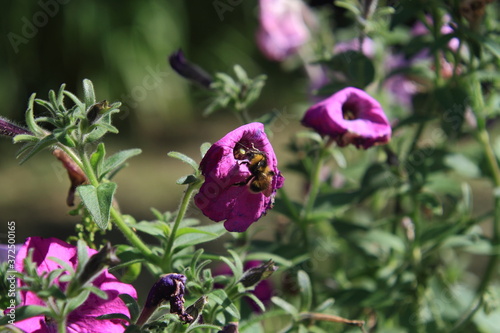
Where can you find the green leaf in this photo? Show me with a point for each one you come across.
(78, 300)
(289, 308)
(305, 290)
(97, 159)
(114, 316)
(88, 93)
(207, 234)
(98, 201)
(132, 306)
(204, 148)
(30, 118)
(24, 138)
(46, 142)
(462, 165)
(186, 180)
(220, 297)
(117, 160)
(184, 159)
(25, 312)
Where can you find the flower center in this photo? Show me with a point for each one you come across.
(348, 113)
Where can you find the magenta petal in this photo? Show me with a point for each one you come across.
(84, 318)
(225, 194)
(368, 127)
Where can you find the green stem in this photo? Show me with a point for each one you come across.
(166, 261)
(484, 139)
(315, 183)
(117, 217)
(61, 325)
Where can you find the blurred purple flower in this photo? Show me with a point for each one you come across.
(401, 87)
(241, 178)
(420, 29)
(350, 116)
(84, 318)
(283, 28)
(367, 47)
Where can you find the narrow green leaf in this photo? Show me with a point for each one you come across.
(132, 306)
(25, 312)
(204, 148)
(24, 138)
(97, 159)
(117, 160)
(212, 232)
(88, 93)
(240, 73)
(305, 290)
(285, 306)
(114, 316)
(184, 159)
(83, 254)
(46, 142)
(30, 118)
(220, 297)
(78, 300)
(98, 201)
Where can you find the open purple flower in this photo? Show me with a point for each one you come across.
(84, 318)
(282, 28)
(241, 178)
(350, 116)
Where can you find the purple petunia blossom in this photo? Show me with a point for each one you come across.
(283, 27)
(83, 318)
(350, 116)
(241, 178)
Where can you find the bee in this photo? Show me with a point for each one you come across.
(261, 177)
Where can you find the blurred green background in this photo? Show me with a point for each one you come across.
(123, 46)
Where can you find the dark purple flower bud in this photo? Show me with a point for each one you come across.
(256, 274)
(241, 178)
(170, 288)
(7, 128)
(188, 70)
(76, 175)
(350, 116)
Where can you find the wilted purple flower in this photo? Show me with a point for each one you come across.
(188, 70)
(241, 178)
(283, 27)
(83, 318)
(350, 116)
(169, 288)
(7, 128)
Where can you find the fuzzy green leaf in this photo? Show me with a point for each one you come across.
(117, 160)
(184, 158)
(98, 201)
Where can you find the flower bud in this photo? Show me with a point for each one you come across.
(256, 274)
(188, 70)
(9, 129)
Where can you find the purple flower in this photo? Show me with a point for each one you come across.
(84, 318)
(241, 178)
(350, 116)
(283, 28)
(367, 47)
